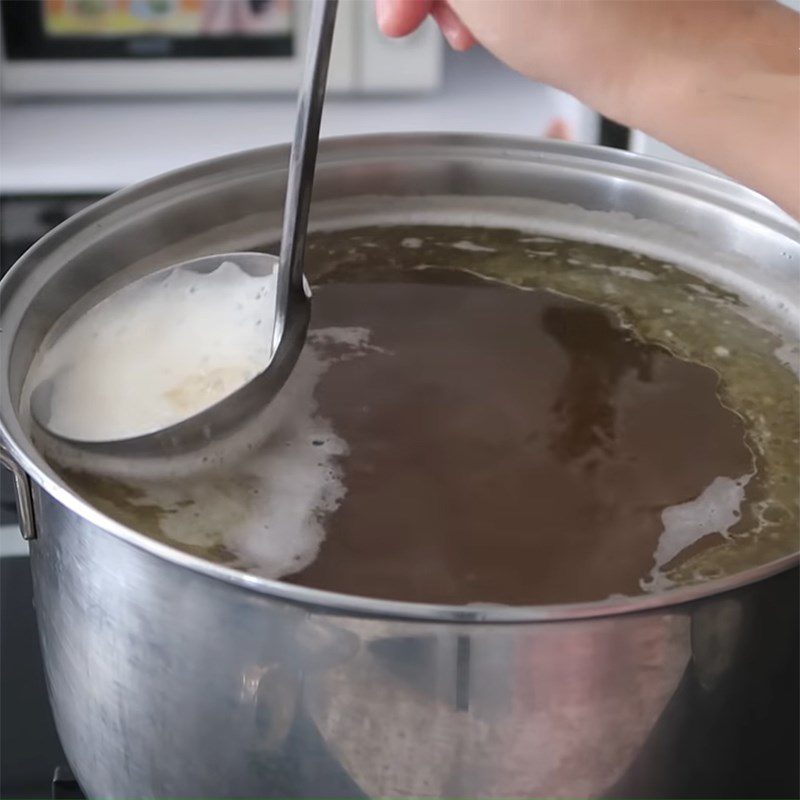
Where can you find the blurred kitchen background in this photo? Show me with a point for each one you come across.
(99, 94)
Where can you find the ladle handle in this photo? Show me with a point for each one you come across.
(302, 160)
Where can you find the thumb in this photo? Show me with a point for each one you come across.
(401, 17)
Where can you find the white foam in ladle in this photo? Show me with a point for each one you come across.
(185, 396)
(158, 351)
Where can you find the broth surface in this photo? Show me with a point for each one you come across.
(490, 416)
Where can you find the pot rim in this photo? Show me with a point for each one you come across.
(687, 180)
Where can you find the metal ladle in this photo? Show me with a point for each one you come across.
(239, 420)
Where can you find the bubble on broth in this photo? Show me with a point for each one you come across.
(715, 511)
(465, 244)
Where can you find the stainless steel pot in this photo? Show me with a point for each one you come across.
(171, 676)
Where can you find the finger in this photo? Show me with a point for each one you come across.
(454, 30)
(401, 17)
(558, 129)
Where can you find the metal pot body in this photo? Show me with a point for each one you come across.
(174, 677)
(169, 683)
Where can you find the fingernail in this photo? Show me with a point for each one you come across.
(383, 13)
(451, 31)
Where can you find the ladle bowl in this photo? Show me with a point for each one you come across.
(222, 431)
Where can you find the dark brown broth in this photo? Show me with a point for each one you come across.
(520, 446)
(507, 446)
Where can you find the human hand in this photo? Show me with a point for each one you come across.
(717, 80)
(546, 40)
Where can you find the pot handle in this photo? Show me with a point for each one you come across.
(24, 497)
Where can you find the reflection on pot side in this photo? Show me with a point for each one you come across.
(476, 443)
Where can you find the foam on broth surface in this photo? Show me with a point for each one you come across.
(722, 499)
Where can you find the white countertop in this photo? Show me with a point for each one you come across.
(100, 145)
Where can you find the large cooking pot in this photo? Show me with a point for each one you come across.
(173, 676)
